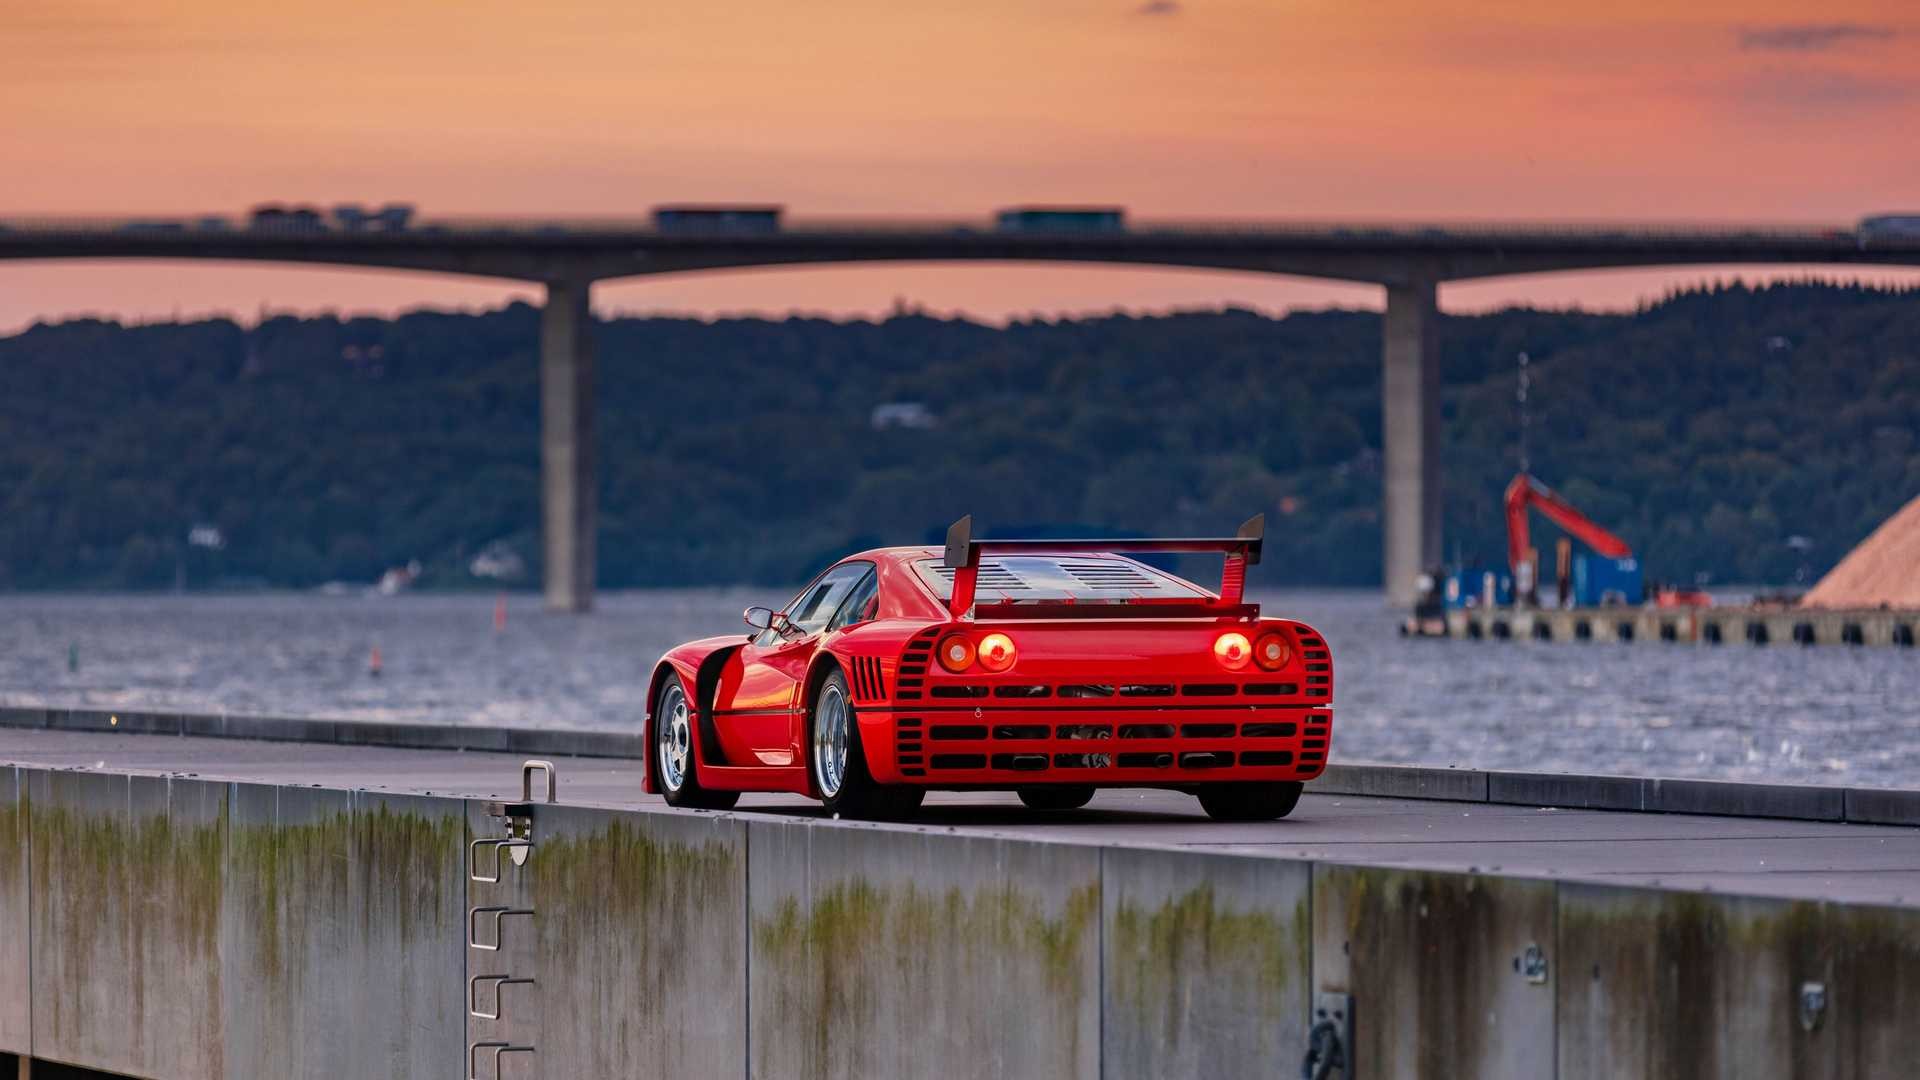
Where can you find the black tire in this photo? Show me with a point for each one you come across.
(669, 728)
(857, 794)
(900, 803)
(1057, 796)
(1252, 800)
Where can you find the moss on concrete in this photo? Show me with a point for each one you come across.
(1657, 980)
(1161, 959)
(861, 956)
(170, 909)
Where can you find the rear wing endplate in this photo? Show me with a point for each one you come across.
(1241, 549)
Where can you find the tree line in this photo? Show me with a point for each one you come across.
(1729, 434)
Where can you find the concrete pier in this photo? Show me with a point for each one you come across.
(1690, 626)
(243, 923)
(569, 489)
(1410, 430)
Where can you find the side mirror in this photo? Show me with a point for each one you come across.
(759, 618)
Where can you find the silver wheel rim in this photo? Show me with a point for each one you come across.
(676, 738)
(830, 717)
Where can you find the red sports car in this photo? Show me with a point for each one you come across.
(1047, 667)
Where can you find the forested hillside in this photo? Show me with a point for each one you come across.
(1747, 435)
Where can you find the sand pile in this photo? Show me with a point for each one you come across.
(1883, 570)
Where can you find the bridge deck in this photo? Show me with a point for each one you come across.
(1834, 861)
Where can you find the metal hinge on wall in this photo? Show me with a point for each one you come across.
(1329, 1038)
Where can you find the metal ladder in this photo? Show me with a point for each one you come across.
(506, 852)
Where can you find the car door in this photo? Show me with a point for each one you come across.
(759, 712)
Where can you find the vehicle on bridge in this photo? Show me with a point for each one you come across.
(1888, 227)
(709, 219)
(1046, 667)
(278, 218)
(353, 217)
(1056, 219)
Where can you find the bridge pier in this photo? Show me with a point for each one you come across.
(1410, 432)
(568, 479)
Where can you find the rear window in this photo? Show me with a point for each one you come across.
(1054, 578)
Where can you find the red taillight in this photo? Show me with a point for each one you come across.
(1233, 650)
(996, 652)
(1272, 652)
(956, 653)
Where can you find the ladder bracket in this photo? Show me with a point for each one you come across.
(498, 1048)
(498, 913)
(516, 848)
(501, 982)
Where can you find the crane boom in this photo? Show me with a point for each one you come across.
(1525, 492)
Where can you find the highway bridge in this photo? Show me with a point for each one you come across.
(227, 896)
(1409, 260)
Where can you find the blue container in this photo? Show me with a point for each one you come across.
(1473, 587)
(1599, 582)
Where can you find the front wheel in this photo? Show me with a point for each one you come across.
(674, 767)
(1253, 800)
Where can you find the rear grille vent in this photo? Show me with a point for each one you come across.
(1208, 690)
(907, 746)
(913, 666)
(1103, 574)
(999, 746)
(1147, 690)
(1086, 690)
(1022, 691)
(1271, 689)
(869, 684)
(991, 575)
(959, 691)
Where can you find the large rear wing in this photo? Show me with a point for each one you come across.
(1241, 549)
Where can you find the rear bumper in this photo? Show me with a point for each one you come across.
(1016, 747)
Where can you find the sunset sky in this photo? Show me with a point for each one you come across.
(1413, 109)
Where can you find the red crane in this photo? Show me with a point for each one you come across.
(1527, 492)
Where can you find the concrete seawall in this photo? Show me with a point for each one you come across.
(161, 926)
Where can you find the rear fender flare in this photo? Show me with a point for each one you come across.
(824, 663)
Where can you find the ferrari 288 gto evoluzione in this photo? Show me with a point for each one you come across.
(1046, 667)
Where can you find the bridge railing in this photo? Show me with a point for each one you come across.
(203, 227)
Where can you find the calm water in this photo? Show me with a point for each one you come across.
(1810, 715)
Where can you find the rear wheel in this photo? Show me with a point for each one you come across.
(673, 763)
(838, 763)
(1254, 800)
(1060, 797)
